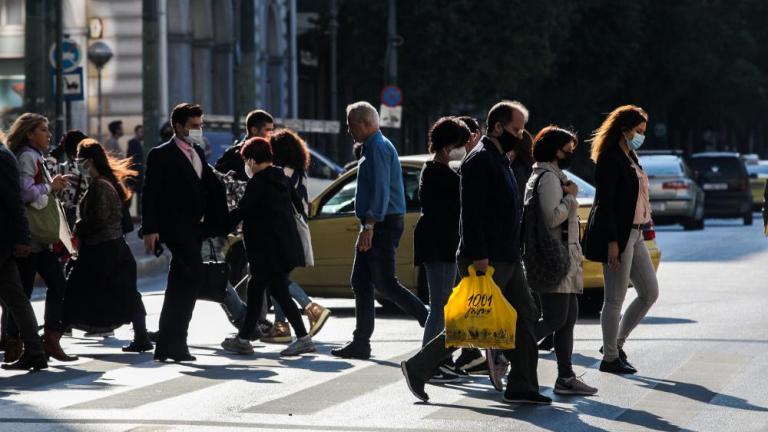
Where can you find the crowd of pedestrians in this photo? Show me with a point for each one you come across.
(480, 195)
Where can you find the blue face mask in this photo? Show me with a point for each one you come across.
(637, 141)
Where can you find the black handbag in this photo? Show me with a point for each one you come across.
(215, 278)
(546, 258)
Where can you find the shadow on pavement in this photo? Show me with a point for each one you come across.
(696, 392)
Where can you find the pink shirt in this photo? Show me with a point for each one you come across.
(643, 206)
(192, 155)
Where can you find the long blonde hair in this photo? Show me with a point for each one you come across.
(17, 135)
(618, 121)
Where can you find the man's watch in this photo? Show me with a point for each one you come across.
(367, 227)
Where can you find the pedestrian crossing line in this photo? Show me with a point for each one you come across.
(349, 386)
(688, 391)
(60, 373)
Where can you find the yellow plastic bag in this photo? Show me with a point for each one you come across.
(478, 315)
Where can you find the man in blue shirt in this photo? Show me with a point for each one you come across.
(380, 206)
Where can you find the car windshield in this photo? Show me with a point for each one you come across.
(586, 190)
(718, 167)
(661, 167)
(341, 202)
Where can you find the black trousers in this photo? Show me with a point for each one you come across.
(559, 315)
(184, 280)
(47, 265)
(276, 285)
(17, 304)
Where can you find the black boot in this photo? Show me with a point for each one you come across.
(140, 344)
(28, 361)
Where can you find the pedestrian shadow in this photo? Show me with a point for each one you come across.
(231, 372)
(696, 392)
(556, 417)
(311, 361)
(654, 320)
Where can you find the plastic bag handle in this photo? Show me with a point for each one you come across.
(476, 273)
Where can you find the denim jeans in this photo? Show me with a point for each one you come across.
(441, 278)
(374, 273)
(297, 294)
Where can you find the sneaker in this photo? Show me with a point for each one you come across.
(531, 398)
(279, 333)
(449, 369)
(442, 377)
(237, 345)
(355, 350)
(481, 369)
(497, 367)
(265, 325)
(573, 386)
(616, 366)
(302, 345)
(317, 316)
(415, 384)
(469, 358)
(622, 356)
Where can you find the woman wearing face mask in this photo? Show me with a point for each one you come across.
(436, 237)
(553, 151)
(29, 139)
(272, 244)
(101, 290)
(614, 233)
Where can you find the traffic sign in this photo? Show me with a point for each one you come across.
(73, 84)
(391, 96)
(71, 55)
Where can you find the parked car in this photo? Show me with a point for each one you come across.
(334, 229)
(725, 181)
(758, 175)
(675, 195)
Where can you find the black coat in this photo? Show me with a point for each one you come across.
(437, 232)
(232, 161)
(14, 228)
(271, 238)
(614, 208)
(175, 199)
(490, 207)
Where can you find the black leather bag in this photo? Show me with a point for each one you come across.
(215, 278)
(546, 259)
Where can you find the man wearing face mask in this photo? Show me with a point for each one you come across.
(183, 203)
(490, 236)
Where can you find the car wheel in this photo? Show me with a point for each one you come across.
(748, 219)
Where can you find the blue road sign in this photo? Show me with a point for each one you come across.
(391, 96)
(71, 55)
(73, 84)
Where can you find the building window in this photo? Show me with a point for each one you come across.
(12, 12)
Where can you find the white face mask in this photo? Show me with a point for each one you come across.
(195, 136)
(248, 170)
(457, 154)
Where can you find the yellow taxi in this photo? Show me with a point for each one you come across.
(334, 230)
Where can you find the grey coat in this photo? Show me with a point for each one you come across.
(558, 207)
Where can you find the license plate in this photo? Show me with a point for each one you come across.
(715, 186)
(658, 206)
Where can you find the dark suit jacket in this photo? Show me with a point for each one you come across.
(176, 200)
(14, 228)
(232, 161)
(490, 208)
(271, 238)
(614, 208)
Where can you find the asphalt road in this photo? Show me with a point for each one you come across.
(702, 356)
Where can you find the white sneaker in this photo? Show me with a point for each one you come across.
(301, 345)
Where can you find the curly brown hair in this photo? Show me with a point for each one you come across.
(618, 121)
(289, 150)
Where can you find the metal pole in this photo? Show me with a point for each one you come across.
(333, 27)
(235, 70)
(150, 72)
(294, 62)
(59, 125)
(393, 133)
(99, 105)
(36, 68)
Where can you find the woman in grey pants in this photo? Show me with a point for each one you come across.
(614, 231)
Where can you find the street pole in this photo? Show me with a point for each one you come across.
(59, 125)
(235, 73)
(333, 28)
(393, 133)
(36, 68)
(150, 73)
(99, 104)
(294, 61)
(246, 77)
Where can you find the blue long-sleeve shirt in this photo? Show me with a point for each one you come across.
(380, 189)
